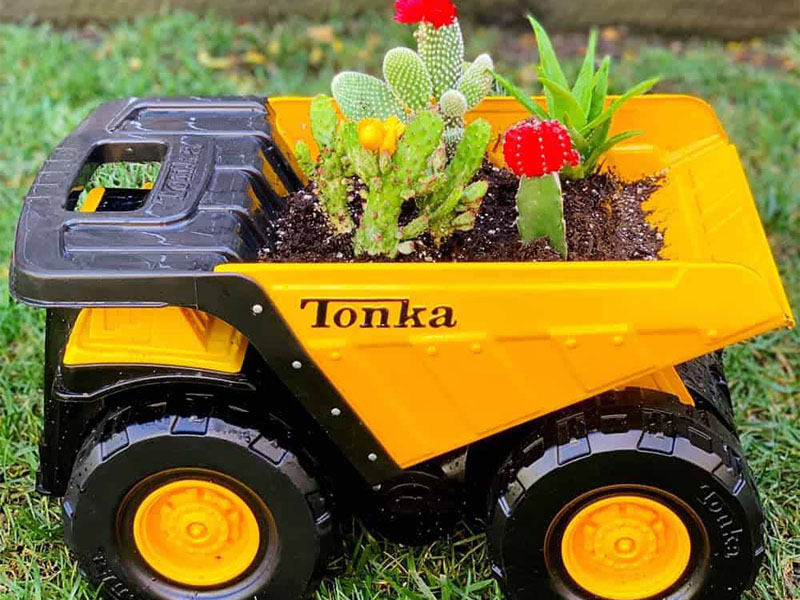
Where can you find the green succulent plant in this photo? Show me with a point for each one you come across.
(330, 171)
(446, 197)
(435, 74)
(583, 107)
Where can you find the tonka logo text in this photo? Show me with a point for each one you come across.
(377, 313)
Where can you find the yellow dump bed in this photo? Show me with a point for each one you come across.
(483, 347)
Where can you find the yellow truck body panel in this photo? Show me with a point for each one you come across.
(435, 356)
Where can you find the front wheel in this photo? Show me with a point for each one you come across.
(194, 507)
(629, 497)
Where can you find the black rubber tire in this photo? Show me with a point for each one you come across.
(634, 439)
(151, 445)
(705, 379)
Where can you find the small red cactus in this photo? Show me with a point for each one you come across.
(438, 13)
(534, 148)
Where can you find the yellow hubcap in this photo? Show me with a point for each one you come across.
(626, 548)
(196, 533)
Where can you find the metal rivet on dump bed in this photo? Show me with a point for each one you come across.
(336, 412)
(297, 365)
(372, 457)
(257, 309)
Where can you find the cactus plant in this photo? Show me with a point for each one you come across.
(408, 77)
(442, 50)
(391, 183)
(582, 109)
(436, 73)
(536, 151)
(362, 96)
(330, 170)
(452, 201)
(395, 163)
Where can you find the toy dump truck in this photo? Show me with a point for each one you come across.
(210, 418)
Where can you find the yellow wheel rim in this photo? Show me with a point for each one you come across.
(196, 533)
(626, 548)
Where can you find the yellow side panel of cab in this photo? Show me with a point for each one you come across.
(170, 336)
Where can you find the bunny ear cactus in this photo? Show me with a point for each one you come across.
(584, 108)
(362, 96)
(476, 82)
(414, 81)
(330, 170)
(442, 49)
(439, 38)
(408, 78)
(536, 151)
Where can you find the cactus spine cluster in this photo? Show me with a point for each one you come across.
(414, 81)
(446, 197)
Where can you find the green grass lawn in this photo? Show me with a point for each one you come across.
(50, 80)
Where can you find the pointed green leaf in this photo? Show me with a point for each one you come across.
(598, 135)
(527, 102)
(582, 89)
(547, 55)
(637, 90)
(598, 152)
(549, 67)
(581, 143)
(599, 89)
(567, 106)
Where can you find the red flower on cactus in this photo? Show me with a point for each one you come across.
(534, 148)
(438, 13)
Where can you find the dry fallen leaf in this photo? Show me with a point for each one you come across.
(321, 33)
(316, 56)
(254, 57)
(218, 63)
(611, 34)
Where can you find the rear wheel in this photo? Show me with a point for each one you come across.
(705, 379)
(179, 508)
(629, 497)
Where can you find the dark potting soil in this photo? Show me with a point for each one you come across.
(604, 216)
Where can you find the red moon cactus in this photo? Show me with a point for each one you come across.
(534, 148)
(438, 13)
(536, 151)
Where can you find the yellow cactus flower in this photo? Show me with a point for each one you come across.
(394, 128)
(495, 152)
(377, 136)
(371, 133)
